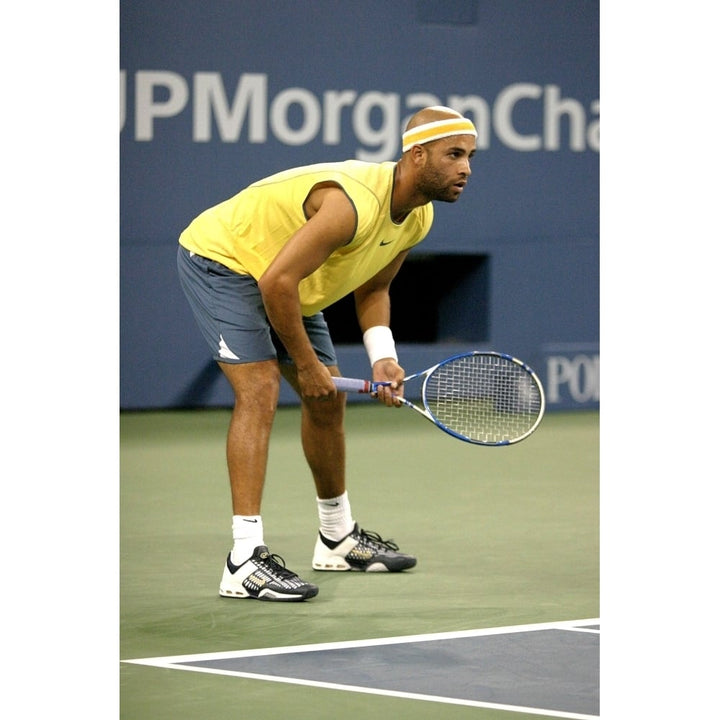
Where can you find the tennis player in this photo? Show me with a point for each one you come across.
(258, 269)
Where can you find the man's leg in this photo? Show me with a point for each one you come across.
(251, 570)
(322, 431)
(256, 387)
(341, 544)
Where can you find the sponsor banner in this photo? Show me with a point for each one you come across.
(571, 375)
(208, 106)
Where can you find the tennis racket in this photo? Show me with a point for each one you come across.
(485, 398)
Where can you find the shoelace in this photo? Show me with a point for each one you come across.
(374, 538)
(276, 564)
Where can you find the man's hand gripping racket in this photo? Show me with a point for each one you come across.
(485, 398)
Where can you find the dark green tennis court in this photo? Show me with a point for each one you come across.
(505, 537)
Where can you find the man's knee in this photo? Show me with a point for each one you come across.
(260, 379)
(327, 412)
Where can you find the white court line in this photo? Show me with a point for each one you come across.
(371, 642)
(387, 693)
(176, 662)
(592, 631)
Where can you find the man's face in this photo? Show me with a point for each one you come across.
(447, 167)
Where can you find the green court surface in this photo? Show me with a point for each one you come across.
(504, 536)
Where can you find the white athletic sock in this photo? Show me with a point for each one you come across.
(336, 520)
(247, 533)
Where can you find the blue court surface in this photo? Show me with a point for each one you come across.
(545, 669)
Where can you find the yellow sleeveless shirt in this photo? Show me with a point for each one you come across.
(246, 232)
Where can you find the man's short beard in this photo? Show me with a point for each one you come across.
(431, 186)
(434, 192)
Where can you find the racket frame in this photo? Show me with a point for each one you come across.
(426, 412)
(367, 386)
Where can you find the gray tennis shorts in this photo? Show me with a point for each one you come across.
(229, 310)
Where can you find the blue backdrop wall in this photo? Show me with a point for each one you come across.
(216, 95)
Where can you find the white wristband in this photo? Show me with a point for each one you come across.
(379, 343)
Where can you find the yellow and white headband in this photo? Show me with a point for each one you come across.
(436, 130)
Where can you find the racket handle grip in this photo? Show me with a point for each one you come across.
(353, 385)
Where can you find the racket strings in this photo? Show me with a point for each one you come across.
(487, 399)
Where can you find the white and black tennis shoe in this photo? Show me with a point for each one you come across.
(264, 577)
(361, 551)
